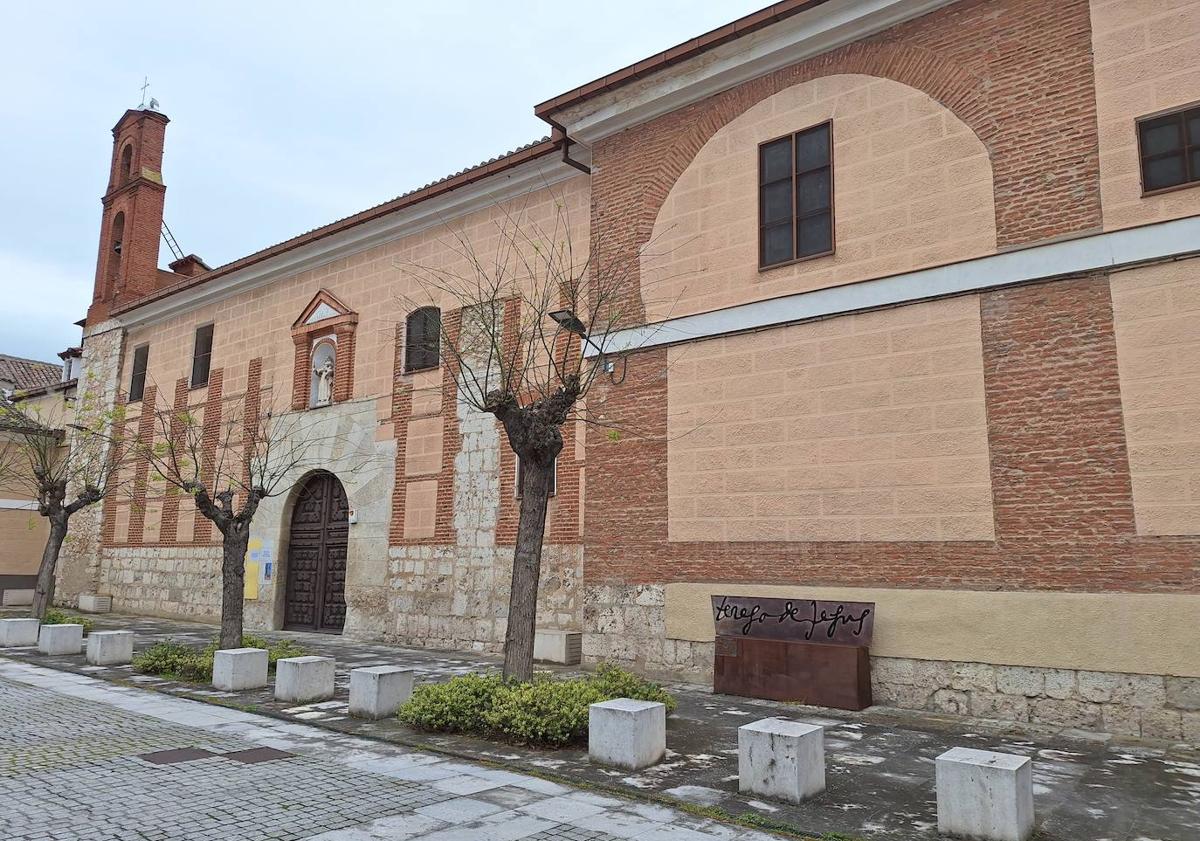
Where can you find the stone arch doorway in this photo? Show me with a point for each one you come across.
(315, 591)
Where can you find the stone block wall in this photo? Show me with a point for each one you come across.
(182, 582)
(625, 625)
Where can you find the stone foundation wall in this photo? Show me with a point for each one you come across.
(454, 597)
(625, 625)
(79, 562)
(181, 582)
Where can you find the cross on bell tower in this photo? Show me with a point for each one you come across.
(131, 220)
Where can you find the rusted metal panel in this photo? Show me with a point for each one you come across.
(822, 674)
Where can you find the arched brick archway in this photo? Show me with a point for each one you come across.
(1045, 156)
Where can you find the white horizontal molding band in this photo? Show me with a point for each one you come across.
(18, 505)
(1113, 250)
(812, 32)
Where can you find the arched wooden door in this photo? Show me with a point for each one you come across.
(316, 564)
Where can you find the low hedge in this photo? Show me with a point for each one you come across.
(179, 661)
(544, 711)
(61, 617)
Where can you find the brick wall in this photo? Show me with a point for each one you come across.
(979, 58)
(1059, 475)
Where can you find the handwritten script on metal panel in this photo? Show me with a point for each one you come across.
(807, 620)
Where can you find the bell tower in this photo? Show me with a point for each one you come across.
(131, 221)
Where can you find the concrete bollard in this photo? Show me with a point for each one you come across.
(378, 691)
(110, 648)
(985, 795)
(626, 733)
(781, 758)
(14, 632)
(60, 639)
(304, 679)
(235, 669)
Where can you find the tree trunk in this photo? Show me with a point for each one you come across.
(233, 575)
(527, 570)
(43, 594)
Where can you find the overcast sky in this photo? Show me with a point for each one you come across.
(284, 115)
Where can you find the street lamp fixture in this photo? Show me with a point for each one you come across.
(569, 321)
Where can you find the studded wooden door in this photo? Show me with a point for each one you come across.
(316, 565)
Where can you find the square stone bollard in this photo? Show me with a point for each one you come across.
(14, 632)
(235, 669)
(60, 639)
(626, 733)
(110, 648)
(378, 691)
(781, 758)
(304, 679)
(981, 794)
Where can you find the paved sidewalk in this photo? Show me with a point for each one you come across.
(84, 760)
(879, 763)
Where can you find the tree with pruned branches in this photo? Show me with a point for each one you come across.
(526, 333)
(228, 471)
(65, 467)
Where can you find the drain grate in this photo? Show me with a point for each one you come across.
(174, 755)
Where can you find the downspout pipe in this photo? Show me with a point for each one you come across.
(560, 133)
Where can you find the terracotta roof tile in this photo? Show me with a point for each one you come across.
(28, 373)
(491, 166)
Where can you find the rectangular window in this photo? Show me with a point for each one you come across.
(1169, 147)
(201, 355)
(795, 196)
(521, 478)
(137, 383)
(422, 339)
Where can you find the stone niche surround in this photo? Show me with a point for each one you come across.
(325, 318)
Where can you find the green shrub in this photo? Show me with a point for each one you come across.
(545, 711)
(61, 617)
(174, 661)
(548, 712)
(178, 661)
(458, 706)
(615, 682)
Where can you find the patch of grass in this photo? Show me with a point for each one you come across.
(544, 711)
(54, 616)
(178, 661)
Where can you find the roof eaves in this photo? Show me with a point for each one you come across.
(492, 166)
(680, 52)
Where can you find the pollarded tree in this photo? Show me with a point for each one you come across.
(228, 469)
(66, 463)
(526, 333)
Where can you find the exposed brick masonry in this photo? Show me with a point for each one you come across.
(1061, 484)
(979, 58)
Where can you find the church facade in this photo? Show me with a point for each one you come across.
(918, 328)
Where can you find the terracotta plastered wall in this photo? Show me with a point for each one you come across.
(1061, 488)
(382, 286)
(867, 427)
(1017, 72)
(1145, 63)
(1156, 310)
(912, 188)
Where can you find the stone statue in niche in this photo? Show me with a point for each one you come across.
(323, 373)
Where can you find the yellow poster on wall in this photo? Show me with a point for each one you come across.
(251, 573)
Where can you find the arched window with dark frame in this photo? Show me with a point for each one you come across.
(126, 162)
(423, 339)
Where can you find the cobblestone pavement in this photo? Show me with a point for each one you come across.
(77, 761)
(879, 763)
